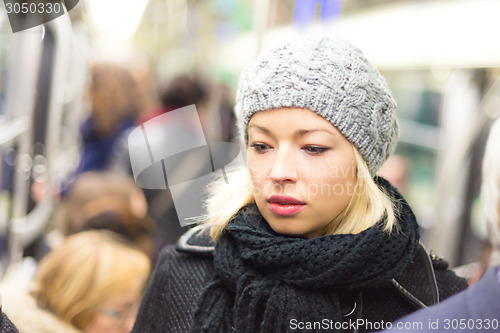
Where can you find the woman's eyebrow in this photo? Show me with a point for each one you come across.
(303, 132)
(262, 129)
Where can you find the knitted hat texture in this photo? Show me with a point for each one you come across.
(332, 78)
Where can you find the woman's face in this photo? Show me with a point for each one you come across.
(302, 168)
(117, 314)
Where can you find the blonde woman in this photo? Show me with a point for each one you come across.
(308, 238)
(91, 283)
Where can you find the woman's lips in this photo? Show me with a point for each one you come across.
(285, 205)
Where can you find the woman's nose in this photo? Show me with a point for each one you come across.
(284, 167)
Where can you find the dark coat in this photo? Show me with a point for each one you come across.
(6, 325)
(182, 271)
(476, 309)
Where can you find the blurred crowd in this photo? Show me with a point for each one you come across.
(91, 264)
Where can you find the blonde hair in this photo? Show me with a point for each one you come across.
(366, 208)
(75, 279)
(369, 203)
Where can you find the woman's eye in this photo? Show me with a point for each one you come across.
(260, 147)
(315, 150)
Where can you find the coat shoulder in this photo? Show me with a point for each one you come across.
(428, 280)
(180, 273)
(448, 281)
(196, 241)
(6, 325)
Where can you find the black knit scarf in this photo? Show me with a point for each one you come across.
(265, 279)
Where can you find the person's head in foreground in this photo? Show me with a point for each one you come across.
(93, 281)
(318, 121)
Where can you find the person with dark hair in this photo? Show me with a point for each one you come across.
(140, 231)
(106, 200)
(180, 91)
(97, 191)
(183, 90)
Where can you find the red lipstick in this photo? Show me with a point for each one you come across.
(285, 205)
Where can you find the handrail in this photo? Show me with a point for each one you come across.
(27, 228)
(11, 129)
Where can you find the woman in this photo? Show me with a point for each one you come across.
(91, 283)
(308, 238)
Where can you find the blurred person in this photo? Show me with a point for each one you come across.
(91, 283)
(476, 309)
(144, 76)
(96, 191)
(396, 170)
(212, 108)
(307, 234)
(224, 104)
(114, 98)
(138, 231)
(115, 105)
(105, 200)
(180, 91)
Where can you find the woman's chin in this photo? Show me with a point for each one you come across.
(288, 229)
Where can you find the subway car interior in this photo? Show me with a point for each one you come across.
(441, 60)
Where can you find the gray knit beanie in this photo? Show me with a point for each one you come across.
(332, 78)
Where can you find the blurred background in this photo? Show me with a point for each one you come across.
(441, 60)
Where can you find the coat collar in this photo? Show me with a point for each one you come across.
(418, 282)
(196, 240)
